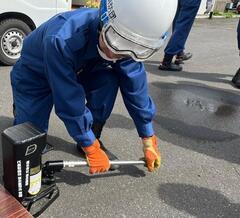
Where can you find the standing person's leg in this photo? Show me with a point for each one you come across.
(190, 11)
(101, 87)
(176, 15)
(176, 44)
(32, 100)
(167, 60)
(236, 78)
(238, 35)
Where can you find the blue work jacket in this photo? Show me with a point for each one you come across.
(58, 50)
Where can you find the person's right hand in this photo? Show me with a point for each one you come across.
(97, 159)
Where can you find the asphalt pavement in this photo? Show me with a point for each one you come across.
(197, 123)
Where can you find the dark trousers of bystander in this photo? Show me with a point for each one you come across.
(236, 78)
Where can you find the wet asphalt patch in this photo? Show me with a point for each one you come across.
(197, 111)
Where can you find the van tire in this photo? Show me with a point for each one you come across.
(12, 33)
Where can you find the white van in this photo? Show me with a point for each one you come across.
(19, 17)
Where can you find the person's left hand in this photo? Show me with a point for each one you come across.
(151, 153)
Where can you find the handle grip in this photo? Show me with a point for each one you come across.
(113, 163)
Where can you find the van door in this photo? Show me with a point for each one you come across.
(39, 11)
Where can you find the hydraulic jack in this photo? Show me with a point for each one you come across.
(25, 177)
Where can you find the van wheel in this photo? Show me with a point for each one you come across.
(12, 34)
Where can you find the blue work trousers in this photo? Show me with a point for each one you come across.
(35, 104)
(182, 24)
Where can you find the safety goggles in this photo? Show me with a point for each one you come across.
(119, 44)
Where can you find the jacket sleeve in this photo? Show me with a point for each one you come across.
(68, 94)
(134, 89)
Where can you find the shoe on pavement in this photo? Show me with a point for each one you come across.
(181, 57)
(184, 56)
(236, 79)
(170, 67)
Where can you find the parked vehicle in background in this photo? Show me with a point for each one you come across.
(19, 17)
(233, 6)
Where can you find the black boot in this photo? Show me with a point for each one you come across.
(182, 56)
(167, 64)
(236, 79)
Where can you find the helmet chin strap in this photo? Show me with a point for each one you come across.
(105, 57)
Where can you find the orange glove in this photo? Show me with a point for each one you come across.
(97, 159)
(151, 153)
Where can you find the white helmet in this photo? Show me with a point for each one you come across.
(137, 28)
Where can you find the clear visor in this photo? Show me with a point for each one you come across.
(123, 46)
